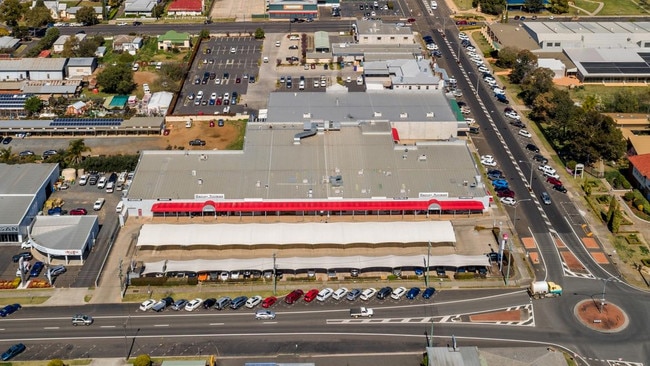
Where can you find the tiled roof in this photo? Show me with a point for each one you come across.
(641, 163)
(186, 5)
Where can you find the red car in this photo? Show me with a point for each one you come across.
(269, 301)
(293, 296)
(311, 295)
(506, 193)
(554, 181)
(212, 123)
(78, 211)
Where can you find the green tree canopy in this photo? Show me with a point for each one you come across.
(534, 6)
(173, 71)
(75, 151)
(625, 101)
(493, 7)
(142, 360)
(56, 362)
(116, 79)
(38, 16)
(204, 34)
(33, 105)
(507, 57)
(591, 137)
(559, 6)
(87, 15)
(70, 46)
(259, 33)
(525, 63)
(11, 11)
(537, 82)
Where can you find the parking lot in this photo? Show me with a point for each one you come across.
(379, 11)
(223, 66)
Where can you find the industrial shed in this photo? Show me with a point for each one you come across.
(321, 42)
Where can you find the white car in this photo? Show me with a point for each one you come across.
(398, 293)
(498, 91)
(213, 96)
(324, 294)
(193, 305)
(478, 62)
(525, 133)
(199, 95)
(368, 293)
(432, 46)
(513, 115)
(508, 201)
(489, 162)
(462, 35)
(487, 157)
(253, 301)
(148, 304)
(265, 315)
(340, 293)
(472, 54)
(470, 48)
(121, 23)
(217, 81)
(489, 80)
(482, 68)
(470, 121)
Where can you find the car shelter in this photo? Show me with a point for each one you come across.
(64, 237)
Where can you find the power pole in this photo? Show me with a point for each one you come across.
(275, 277)
(426, 278)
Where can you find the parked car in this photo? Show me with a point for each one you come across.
(99, 204)
(222, 303)
(193, 305)
(532, 148)
(339, 293)
(37, 267)
(159, 306)
(253, 301)
(197, 142)
(13, 351)
(559, 188)
(209, 302)
(324, 294)
(25, 255)
(398, 293)
(311, 295)
(384, 293)
(147, 304)
(505, 193)
(238, 302)
(413, 293)
(546, 198)
(508, 201)
(368, 293)
(78, 211)
(540, 158)
(428, 292)
(554, 181)
(293, 296)
(56, 270)
(179, 304)
(354, 294)
(269, 301)
(81, 319)
(525, 133)
(264, 315)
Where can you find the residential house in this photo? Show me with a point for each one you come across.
(185, 8)
(78, 67)
(640, 170)
(101, 51)
(54, 7)
(173, 39)
(60, 42)
(139, 7)
(9, 43)
(126, 43)
(71, 13)
(76, 109)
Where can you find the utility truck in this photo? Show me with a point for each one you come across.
(362, 311)
(542, 289)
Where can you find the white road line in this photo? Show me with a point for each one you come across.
(161, 325)
(216, 323)
(51, 327)
(107, 326)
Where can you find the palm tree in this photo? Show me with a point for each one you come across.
(75, 151)
(6, 156)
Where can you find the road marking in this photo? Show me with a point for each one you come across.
(107, 326)
(161, 325)
(216, 323)
(51, 327)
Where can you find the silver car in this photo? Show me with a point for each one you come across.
(80, 319)
(264, 315)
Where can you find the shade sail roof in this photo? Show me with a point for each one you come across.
(291, 233)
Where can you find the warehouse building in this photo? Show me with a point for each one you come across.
(556, 36)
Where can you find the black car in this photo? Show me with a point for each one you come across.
(26, 255)
(26, 153)
(136, 23)
(540, 158)
(518, 124)
(13, 351)
(559, 188)
(208, 303)
(384, 293)
(494, 176)
(197, 142)
(168, 301)
(112, 177)
(532, 148)
(7, 140)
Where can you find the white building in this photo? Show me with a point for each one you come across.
(159, 103)
(377, 32)
(32, 69)
(402, 75)
(60, 42)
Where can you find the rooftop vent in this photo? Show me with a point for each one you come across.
(200, 181)
(422, 157)
(403, 115)
(430, 114)
(306, 115)
(336, 180)
(376, 114)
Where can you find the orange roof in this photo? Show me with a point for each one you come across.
(44, 54)
(186, 5)
(641, 163)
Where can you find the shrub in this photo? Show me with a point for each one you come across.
(142, 360)
(56, 362)
(149, 281)
(628, 196)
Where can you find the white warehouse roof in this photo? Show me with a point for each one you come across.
(305, 233)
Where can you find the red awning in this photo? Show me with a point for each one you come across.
(395, 135)
(397, 205)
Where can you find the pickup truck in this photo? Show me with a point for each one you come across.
(362, 311)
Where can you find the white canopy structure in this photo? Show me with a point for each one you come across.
(305, 263)
(154, 235)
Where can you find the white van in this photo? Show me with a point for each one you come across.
(102, 183)
(120, 207)
(188, 124)
(359, 80)
(294, 37)
(301, 85)
(110, 187)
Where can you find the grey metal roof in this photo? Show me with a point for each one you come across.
(581, 56)
(447, 356)
(353, 107)
(321, 40)
(374, 27)
(80, 61)
(8, 42)
(403, 71)
(377, 51)
(23, 178)
(139, 5)
(144, 122)
(14, 208)
(592, 34)
(51, 87)
(61, 233)
(33, 64)
(272, 167)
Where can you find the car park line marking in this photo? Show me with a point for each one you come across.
(48, 328)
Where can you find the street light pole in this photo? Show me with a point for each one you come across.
(530, 178)
(602, 300)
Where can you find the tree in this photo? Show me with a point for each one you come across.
(592, 102)
(158, 11)
(75, 151)
(259, 33)
(507, 57)
(172, 71)
(613, 206)
(11, 11)
(38, 16)
(525, 63)
(537, 82)
(142, 360)
(559, 6)
(116, 79)
(625, 101)
(87, 15)
(20, 32)
(533, 6)
(493, 7)
(56, 362)
(33, 105)
(7, 156)
(591, 136)
(70, 46)
(86, 48)
(204, 34)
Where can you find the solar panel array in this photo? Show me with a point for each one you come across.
(10, 101)
(617, 67)
(645, 56)
(85, 122)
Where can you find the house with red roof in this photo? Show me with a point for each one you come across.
(640, 169)
(185, 8)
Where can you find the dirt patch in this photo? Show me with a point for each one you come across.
(567, 81)
(499, 316)
(571, 261)
(590, 243)
(607, 318)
